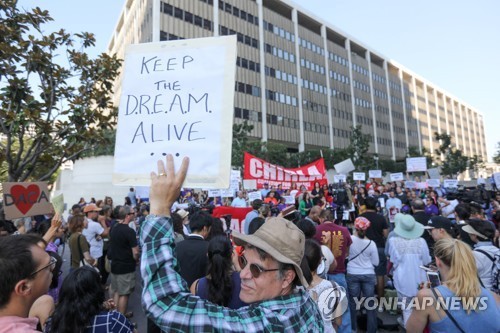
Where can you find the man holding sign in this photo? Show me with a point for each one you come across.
(270, 271)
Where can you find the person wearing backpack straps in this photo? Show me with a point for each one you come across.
(487, 255)
(479, 313)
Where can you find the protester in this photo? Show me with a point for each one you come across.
(132, 196)
(105, 221)
(82, 307)
(393, 206)
(270, 199)
(78, 244)
(177, 224)
(419, 214)
(239, 201)
(305, 204)
(456, 266)
(363, 257)
(271, 269)
(439, 227)
(222, 283)
(94, 233)
(430, 207)
(256, 204)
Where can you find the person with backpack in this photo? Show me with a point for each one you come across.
(486, 254)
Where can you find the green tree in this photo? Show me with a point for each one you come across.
(454, 161)
(241, 142)
(496, 157)
(358, 148)
(50, 111)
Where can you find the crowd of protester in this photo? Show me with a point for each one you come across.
(296, 244)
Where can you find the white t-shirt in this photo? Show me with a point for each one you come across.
(363, 264)
(93, 231)
(484, 264)
(449, 210)
(315, 292)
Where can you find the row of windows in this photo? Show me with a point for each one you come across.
(362, 103)
(381, 109)
(412, 133)
(433, 104)
(409, 106)
(364, 120)
(186, 16)
(380, 94)
(210, 2)
(282, 121)
(384, 141)
(359, 69)
(314, 86)
(396, 100)
(316, 128)
(248, 64)
(422, 111)
(341, 133)
(311, 46)
(339, 77)
(166, 36)
(313, 106)
(361, 86)
(378, 78)
(241, 37)
(397, 115)
(394, 85)
(383, 125)
(338, 59)
(399, 144)
(280, 75)
(248, 114)
(277, 52)
(341, 114)
(340, 95)
(279, 31)
(247, 89)
(312, 66)
(399, 130)
(238, 12)
(281, 98)
(420, 98)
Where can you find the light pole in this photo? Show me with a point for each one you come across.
(375, 157)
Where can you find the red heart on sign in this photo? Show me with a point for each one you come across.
(25, 198)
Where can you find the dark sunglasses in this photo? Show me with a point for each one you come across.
(52, 263)
(256, 270)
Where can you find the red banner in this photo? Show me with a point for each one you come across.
(264, 172)
(237, 215)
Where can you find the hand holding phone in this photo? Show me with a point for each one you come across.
(433, 278)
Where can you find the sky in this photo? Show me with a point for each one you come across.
(455, 44)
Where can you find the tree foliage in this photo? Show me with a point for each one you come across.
(55, 101)
(496, 157)
(454, 162)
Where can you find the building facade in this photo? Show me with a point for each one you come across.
(303, 83)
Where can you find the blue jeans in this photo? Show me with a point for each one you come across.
(365, 284)
(346, 317)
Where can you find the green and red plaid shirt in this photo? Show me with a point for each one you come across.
(168, 302)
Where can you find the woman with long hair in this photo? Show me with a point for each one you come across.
(78, 244)
(82, 307)
(305, 204)
(473, 309)
(222, 283)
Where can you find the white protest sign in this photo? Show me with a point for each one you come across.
(434, 173)
(177, 98)
(235, 180)
(358, 176)
(214, 193)
(410, 184)
(289, 199)
(421, 185)
(374, 173)
(344, 167)
(433, 182)
(414, 164)
(249, 184)
(227, 193)
(254, 195)
(496, 177)
(450, 183)
(339, 178)
(396, 176)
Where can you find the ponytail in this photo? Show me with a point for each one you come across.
(219, 269)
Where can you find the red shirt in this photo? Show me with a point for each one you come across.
(337, 239)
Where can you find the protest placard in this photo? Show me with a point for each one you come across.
(396, 176)
(375, 173)
(58, 203)
(410, 184)
(25, 199)
(344, 167)
(421, 185)
(339, 178)
(177, 98)
(214, 193)
(289, 199)
(227, 193)
(496, 178)
(450, 183)
(250, 184)
(414, 164)
(434, 173)
(433, 183)
(254, 195)
(358, 176)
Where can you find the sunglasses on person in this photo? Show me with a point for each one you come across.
(52, 264)
(256, 270)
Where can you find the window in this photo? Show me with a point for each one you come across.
(178, 13)
(198, 21)
(188, 17)
(168, 9)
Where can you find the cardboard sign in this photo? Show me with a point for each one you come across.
(433, 183)
(339, 178)
(177, 98)
(421, 185)
(434, 173)
(396, 176)
(250, 184)
(227, 193)
(450, 183)
(344, 167)
(214, 193)
(410, 184)
(289, 199)
(25, 199)
(58, 203)
(375, 173)
(359, 176)
(234, 183)
(415, 164)
(254, 195)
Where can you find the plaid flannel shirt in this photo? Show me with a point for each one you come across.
(168, 302)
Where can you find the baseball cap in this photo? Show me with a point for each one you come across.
(279, 238)
(91, 208)
(438, 222)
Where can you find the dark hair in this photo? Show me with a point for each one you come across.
(216, 229)
(42, 228)
(76, 223)
(16, 262)
(255, 224)
(80, 298)
(475, 208)
(199, 220)
(177, 223)
(220, 269)
(307, 228)
(326, 214)
(360, 233)
(483, 227)
(256, 204)
(128, 202)
(313, 254)
(122, 212)
(418, 204)
(105, 209)
(463, 211)
(371, 203)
